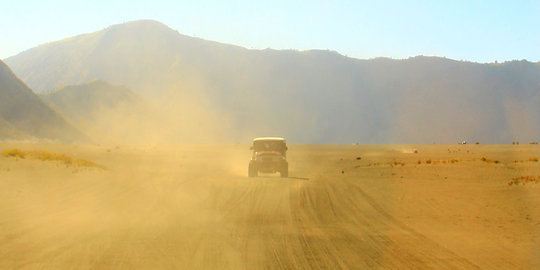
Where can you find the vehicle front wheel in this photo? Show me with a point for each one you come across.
(252, 170)
(284, 172)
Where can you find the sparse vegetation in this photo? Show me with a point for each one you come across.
(441, 161)
(484, 159)
(524, 180)
(16, 153)
(397, 163)
(531, 159)
(46, 156)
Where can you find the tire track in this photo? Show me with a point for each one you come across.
(348, 219)
(462, 261)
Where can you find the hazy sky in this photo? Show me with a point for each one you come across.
(482, 31)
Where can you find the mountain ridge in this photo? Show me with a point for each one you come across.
(322, 96)
(100, 109)
(152, 26)
(26, 112)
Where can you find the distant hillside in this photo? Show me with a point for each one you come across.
(85, 101)
(103, 111)
(306, 96)
(26, 113)
(7, 131)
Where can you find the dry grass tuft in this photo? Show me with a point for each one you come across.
(524, 179)
(46, 156)
(397, 163)
(419, 162)
(532, 159)
(16, 153)
(442, 161)
(489, 160)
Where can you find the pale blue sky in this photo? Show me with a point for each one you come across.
(480, 31)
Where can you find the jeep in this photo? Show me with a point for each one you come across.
(269, 156)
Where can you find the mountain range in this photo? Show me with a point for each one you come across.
(102, 111)
(207, 90)
(24, 115)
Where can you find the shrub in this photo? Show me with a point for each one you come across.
(524, 179)
(16, 153)
(490, 160)
(396, 163)
(46, 156)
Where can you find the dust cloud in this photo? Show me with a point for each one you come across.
(192, 206)
(180, 115)
(170, 190)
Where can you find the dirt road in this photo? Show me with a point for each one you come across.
(344, 207)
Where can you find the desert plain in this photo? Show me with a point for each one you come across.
(70, 206)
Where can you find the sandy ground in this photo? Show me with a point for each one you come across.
(192, 207)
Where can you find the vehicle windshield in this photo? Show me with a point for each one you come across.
(259, 146)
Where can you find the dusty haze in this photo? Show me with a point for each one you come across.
(194, 207)
(128, 148)
(306, 96)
